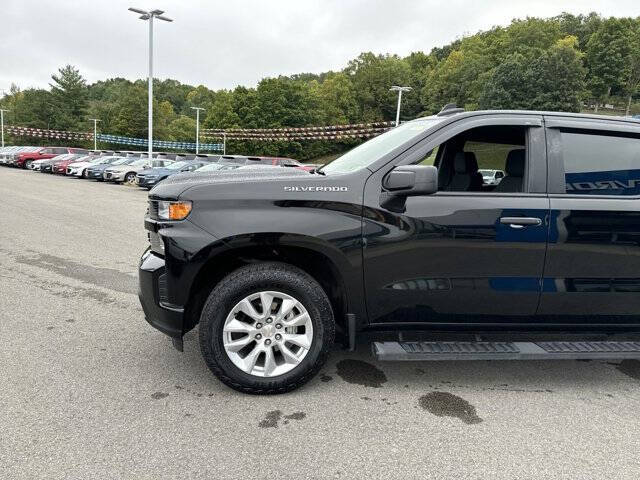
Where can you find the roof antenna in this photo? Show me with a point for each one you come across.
(450, 109)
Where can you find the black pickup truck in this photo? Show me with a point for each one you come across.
(401, 240)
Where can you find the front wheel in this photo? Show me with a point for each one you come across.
(266, 328)
(27, 164)
(130, 178)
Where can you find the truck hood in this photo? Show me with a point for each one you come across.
(175, 185)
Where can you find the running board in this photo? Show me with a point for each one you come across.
(424, 351)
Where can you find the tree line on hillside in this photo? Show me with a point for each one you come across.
(564, 63)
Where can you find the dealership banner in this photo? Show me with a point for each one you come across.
(325, 128)
(143, 142)
(118, 139)
(326, 133)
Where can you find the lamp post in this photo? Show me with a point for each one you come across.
(95, 133)
(197, 109)
(2, 124)
(396, 88)
(150, 15)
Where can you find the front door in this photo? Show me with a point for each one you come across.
(471, 253)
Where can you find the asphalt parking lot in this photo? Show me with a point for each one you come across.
(89, 390)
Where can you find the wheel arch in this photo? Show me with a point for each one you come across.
(316, 262)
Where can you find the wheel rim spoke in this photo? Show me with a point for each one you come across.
(269, 362)
(297, 321)
(288, 355)
(269, 343)
(248, 309)
(267, 300)
(286, 307)
(237, 345)
(236, 326)
(297, 339)
(250, 360)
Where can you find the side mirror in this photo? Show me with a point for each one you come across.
(411, 180)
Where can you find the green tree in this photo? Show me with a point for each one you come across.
(69, 95)
(372, 76)
(557, 78)
(507, 87)
(632, 80)
(183, 129)
(607, 54)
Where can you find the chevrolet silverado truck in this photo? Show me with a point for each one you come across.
(399, 242)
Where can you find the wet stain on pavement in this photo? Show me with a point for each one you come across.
(159, 395)
(296, 416)
(272, 418)
(101, 277)
(444, 404)
(326, 378)
(360, 373)
(631, 368)
(67, 291)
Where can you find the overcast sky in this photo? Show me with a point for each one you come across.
(222, 44)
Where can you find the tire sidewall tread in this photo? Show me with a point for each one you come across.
(249, 279)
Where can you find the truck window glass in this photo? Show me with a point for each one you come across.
(601, 164)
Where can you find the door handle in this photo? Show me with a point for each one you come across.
(521, 222)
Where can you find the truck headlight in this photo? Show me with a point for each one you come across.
(173, 210)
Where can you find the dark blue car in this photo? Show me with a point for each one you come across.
(149, 177)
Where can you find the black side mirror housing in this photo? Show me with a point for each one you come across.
(411, 180)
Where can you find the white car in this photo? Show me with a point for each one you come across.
(491, 177)
(79, 168)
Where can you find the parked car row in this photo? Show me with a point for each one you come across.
(132, 167)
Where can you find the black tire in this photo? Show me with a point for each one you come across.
(27, 164)
(84, 173)
(251, 279)
(130, 178)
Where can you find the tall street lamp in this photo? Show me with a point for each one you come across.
(2, 124)
(150, 15)
(95, 133)
(197, 109)
(398, 89)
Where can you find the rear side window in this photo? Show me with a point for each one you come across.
(596, 164)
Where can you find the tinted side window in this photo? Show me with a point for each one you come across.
(597, 164)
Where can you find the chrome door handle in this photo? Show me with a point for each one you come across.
(521, 222)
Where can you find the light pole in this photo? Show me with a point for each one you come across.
(197, 109)
(95, 133)
(224, 143)
(2, 124)
(150, 15)
(396, 88)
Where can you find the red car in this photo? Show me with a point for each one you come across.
(61, 166)
(24, 160)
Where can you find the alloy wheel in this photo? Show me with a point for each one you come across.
(267, 334)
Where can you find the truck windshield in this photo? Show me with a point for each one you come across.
(368, 152)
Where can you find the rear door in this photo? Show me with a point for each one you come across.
(465, 254)
(592, 270)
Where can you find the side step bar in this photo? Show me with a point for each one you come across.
(425, 351)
